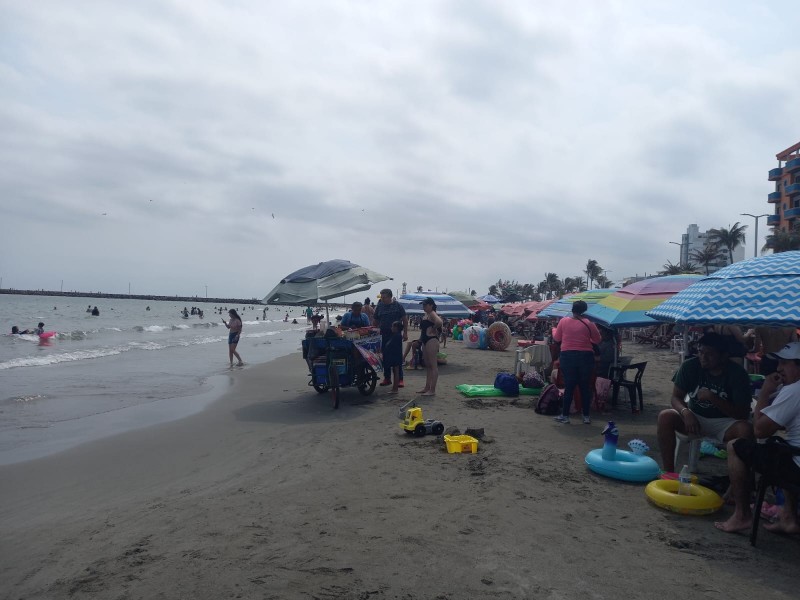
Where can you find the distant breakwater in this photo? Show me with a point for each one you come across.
(130, 296)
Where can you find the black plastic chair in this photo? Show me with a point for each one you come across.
(766, 480)
(634, 386)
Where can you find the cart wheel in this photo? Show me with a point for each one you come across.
(368, 382)
(419, 430)
(335, 391)
(438, 429)
(321, 389)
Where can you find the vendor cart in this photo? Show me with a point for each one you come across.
(335, 362)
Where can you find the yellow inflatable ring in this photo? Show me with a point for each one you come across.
(664, 493)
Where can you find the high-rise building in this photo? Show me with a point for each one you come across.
(695, 240)
(786, 196)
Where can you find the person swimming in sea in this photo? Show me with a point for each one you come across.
(95, 312)
(15, 331)
(39, 329)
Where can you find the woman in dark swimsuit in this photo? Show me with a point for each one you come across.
(430, 327)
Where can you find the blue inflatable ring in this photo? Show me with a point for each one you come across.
(626, 466)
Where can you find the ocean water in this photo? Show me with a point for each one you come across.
(127, 368)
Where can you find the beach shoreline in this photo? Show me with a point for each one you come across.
(270, 493)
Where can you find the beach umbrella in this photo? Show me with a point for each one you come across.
(446, 306)
(535, 311)
(762, 291)
(489, 298)
(322, 282)
(563, 306)
(627, 306)
(465, 298)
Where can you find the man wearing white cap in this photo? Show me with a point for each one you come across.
(772, 413)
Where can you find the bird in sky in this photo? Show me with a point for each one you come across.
(273, 215)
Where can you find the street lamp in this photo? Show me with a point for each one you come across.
(755, 240)
(680, 256)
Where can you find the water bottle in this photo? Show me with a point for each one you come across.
(685, 481)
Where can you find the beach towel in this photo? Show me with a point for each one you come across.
(484, 391)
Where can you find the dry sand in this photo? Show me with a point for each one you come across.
(271, 494)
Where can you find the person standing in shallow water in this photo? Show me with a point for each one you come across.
(235, 327)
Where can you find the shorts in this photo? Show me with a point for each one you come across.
(714, 428)
(233, 337)
(761, 458)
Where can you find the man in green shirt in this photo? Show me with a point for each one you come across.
(719, 398)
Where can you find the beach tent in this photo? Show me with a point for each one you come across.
(626, 307)
(762, 291)
(446, 306)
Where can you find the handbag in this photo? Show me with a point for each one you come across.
(595, 347)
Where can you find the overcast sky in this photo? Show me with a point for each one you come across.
(177, 145)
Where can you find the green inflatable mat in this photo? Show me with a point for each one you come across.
(472, 391)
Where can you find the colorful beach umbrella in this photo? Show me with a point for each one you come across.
(489, 298)
(563, 306)
(446, 306)
(762, 291)
(626, 307)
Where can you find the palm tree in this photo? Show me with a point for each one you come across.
(670, 269)
(553, 283)
(783, 241)
(603, 282)
(593, 270)
(572, 285)
(728, 238)
(708, 255)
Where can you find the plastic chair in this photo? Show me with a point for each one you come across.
(694, 449)
(764, 482)
(634, 386)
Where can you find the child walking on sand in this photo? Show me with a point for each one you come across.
(393, 355)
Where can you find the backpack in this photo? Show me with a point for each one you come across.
(507, 383)
(532, 379)
(549, 402)
(602, 390)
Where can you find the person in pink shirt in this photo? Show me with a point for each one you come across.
(576, 336)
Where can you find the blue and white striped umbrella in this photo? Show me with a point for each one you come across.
(446, 305)
(760, 291)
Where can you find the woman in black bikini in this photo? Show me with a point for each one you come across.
(430, 328)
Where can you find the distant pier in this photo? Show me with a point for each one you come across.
(130, 296)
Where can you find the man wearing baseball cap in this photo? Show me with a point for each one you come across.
(773, 412)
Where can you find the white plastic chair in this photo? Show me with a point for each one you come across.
(694, 450)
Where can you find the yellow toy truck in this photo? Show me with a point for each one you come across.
(414, 424)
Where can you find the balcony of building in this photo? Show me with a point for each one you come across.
(793, 190)
(775, 174)
(791, 214)
(774, 197)
(773, 220)
(792, 165)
